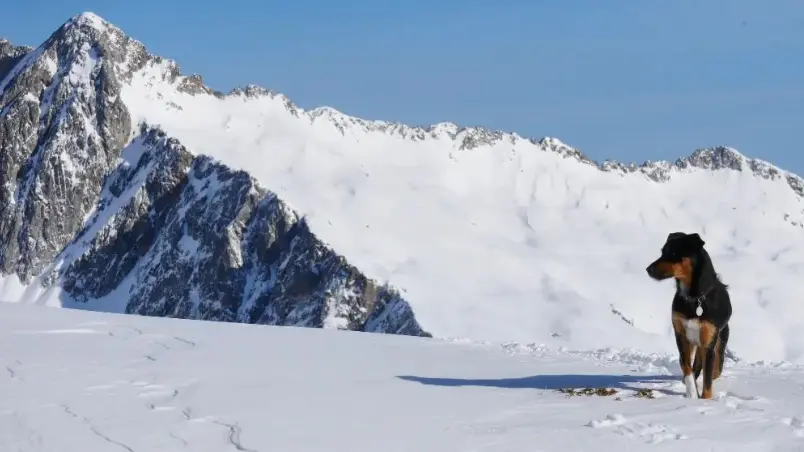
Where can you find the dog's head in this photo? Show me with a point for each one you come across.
(677, 258)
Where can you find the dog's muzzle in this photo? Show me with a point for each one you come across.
(651, 270)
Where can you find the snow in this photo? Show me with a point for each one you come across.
(83, 68)
(336, 313)
(188, 245)
(98, 220)
(77, 380)
(508, 241)
(90, 19)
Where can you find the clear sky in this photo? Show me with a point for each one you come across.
(628, 80)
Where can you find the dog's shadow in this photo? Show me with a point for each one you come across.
(557, 381)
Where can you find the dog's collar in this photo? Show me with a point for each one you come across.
(697, 300)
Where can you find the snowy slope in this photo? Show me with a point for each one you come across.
(501, 238)
(82, 381)
(491, 236)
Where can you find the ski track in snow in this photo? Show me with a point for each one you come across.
(79, 380)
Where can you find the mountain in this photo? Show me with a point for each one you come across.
(102, 213)
(112, 170)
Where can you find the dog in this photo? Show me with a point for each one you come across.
(701, 309)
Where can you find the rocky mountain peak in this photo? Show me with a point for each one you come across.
(86, 24)
(128, 220)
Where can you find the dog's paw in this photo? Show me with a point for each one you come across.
(691, 387)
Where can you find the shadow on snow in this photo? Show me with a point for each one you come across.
(553, 381)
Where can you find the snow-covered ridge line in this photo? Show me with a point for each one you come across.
(465, 137)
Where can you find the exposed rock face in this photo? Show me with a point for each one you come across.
(61, 131)
(188, 237)
(103, 216)
(10, 55)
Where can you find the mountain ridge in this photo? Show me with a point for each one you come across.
(709, 158)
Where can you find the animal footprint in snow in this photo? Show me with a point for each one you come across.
(740, 403)
(741, 397)
(653, 433)
(611, 420)
(797, 423)
(649, 433)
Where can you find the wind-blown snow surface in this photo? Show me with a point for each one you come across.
(506, 241)
(85, 381)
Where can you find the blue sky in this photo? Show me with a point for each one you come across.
(628, 80)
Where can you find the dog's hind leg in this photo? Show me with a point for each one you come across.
(720, 351)
(708, 342)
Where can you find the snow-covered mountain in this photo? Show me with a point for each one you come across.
(102, 212)
(487, 235)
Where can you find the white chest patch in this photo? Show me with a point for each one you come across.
(692, 329)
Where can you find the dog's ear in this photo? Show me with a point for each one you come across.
(694, 242)
(675, 235)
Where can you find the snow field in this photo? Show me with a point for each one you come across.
(79, 380)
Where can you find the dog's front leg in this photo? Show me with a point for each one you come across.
(708, 340)
(684, 358)
(697, 363)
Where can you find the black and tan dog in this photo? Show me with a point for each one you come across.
(701, 309)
